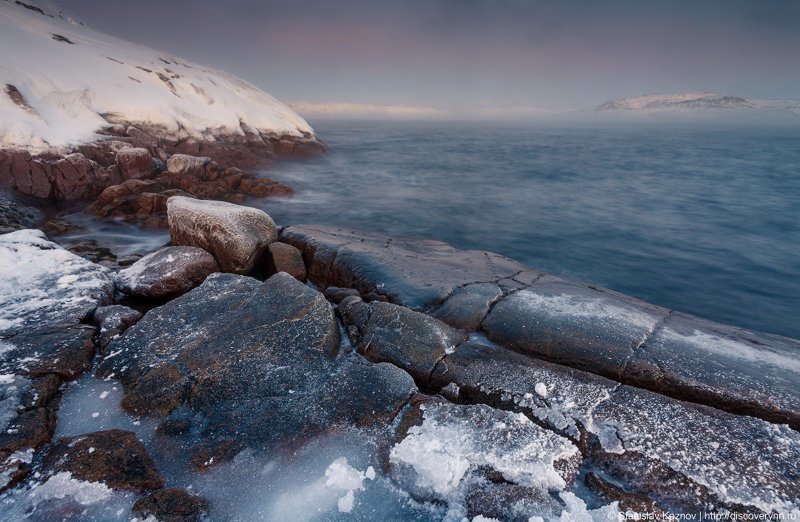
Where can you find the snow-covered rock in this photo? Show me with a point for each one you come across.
(42, 284)
(235, 235)
(63, 82)
(167, 273)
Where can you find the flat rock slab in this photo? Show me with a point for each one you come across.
(167, 273)
(415, 273)
(114, 457)
(730, 368)
(256, 361)
(682, 455)
(42, 284)
(236, 236)
(577, 325)
(385, 332)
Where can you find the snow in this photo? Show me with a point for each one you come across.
(342, 476)
(454, 439)
(74, 89)
(42, 282)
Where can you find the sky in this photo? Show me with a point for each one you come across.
(459, 55)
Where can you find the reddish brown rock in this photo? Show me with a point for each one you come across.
(286, 258)
(114, 457)
(135, 163)
(172, 505)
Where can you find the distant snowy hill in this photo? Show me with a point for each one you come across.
(690, 101)
(61, 82)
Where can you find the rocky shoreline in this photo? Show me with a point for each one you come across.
(486, 388)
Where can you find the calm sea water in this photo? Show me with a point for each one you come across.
(705, 221)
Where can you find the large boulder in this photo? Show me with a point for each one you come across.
(167, 273)
(415, 273)
(236, 236)
(255, 364)
(114, 457)
(187, 165)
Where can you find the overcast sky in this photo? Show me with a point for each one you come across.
(456, 54)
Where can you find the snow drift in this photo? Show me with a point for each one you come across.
(62, 82)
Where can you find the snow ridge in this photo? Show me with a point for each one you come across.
(63, 82)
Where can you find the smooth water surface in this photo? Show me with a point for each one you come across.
(700, 220)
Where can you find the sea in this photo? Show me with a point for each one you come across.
(700, 219)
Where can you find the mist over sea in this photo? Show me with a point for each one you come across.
(701, 220)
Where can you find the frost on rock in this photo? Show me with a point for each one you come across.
(454, 447)
(42, 284)
(60, 94)
(688, 454)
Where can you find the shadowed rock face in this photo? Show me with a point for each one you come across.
(169, 272)
(172, 505)
(236, 236)
(256, 361)
(568, 322)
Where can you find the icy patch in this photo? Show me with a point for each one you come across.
(571, 306)
(576, 510)
(453, 440)
(62, 494)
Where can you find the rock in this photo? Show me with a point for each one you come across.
(254, 363)
(187, 165)
(42, 284)
(113, 321)
(172, 505)
(730, 368)
(443, 448)
(419, 274)
(569, 323)
(75, 177)
(114, 457)
(337, 295)
(385, 332)
(286, 258)
(135, 163)
(16, 216)
(633, 502)
(679, 455)
(468, 305)
(236, 236)
(167, 273)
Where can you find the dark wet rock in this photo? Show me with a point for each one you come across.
(112, 321)
(337, 295)
(15, 215)
(512, 503)
(730, 368)
(569, 323)
(57, 227)
(286, 258)
(93, 251)
(14, 467)
(167, 273)
(61, 349)
(415, 273)
(468, 305)
(681, 455)
(255, 361)
(114, 457)
(136, 163)
(385, 332)
(172, 505)
(236, 236)
(444, 451)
